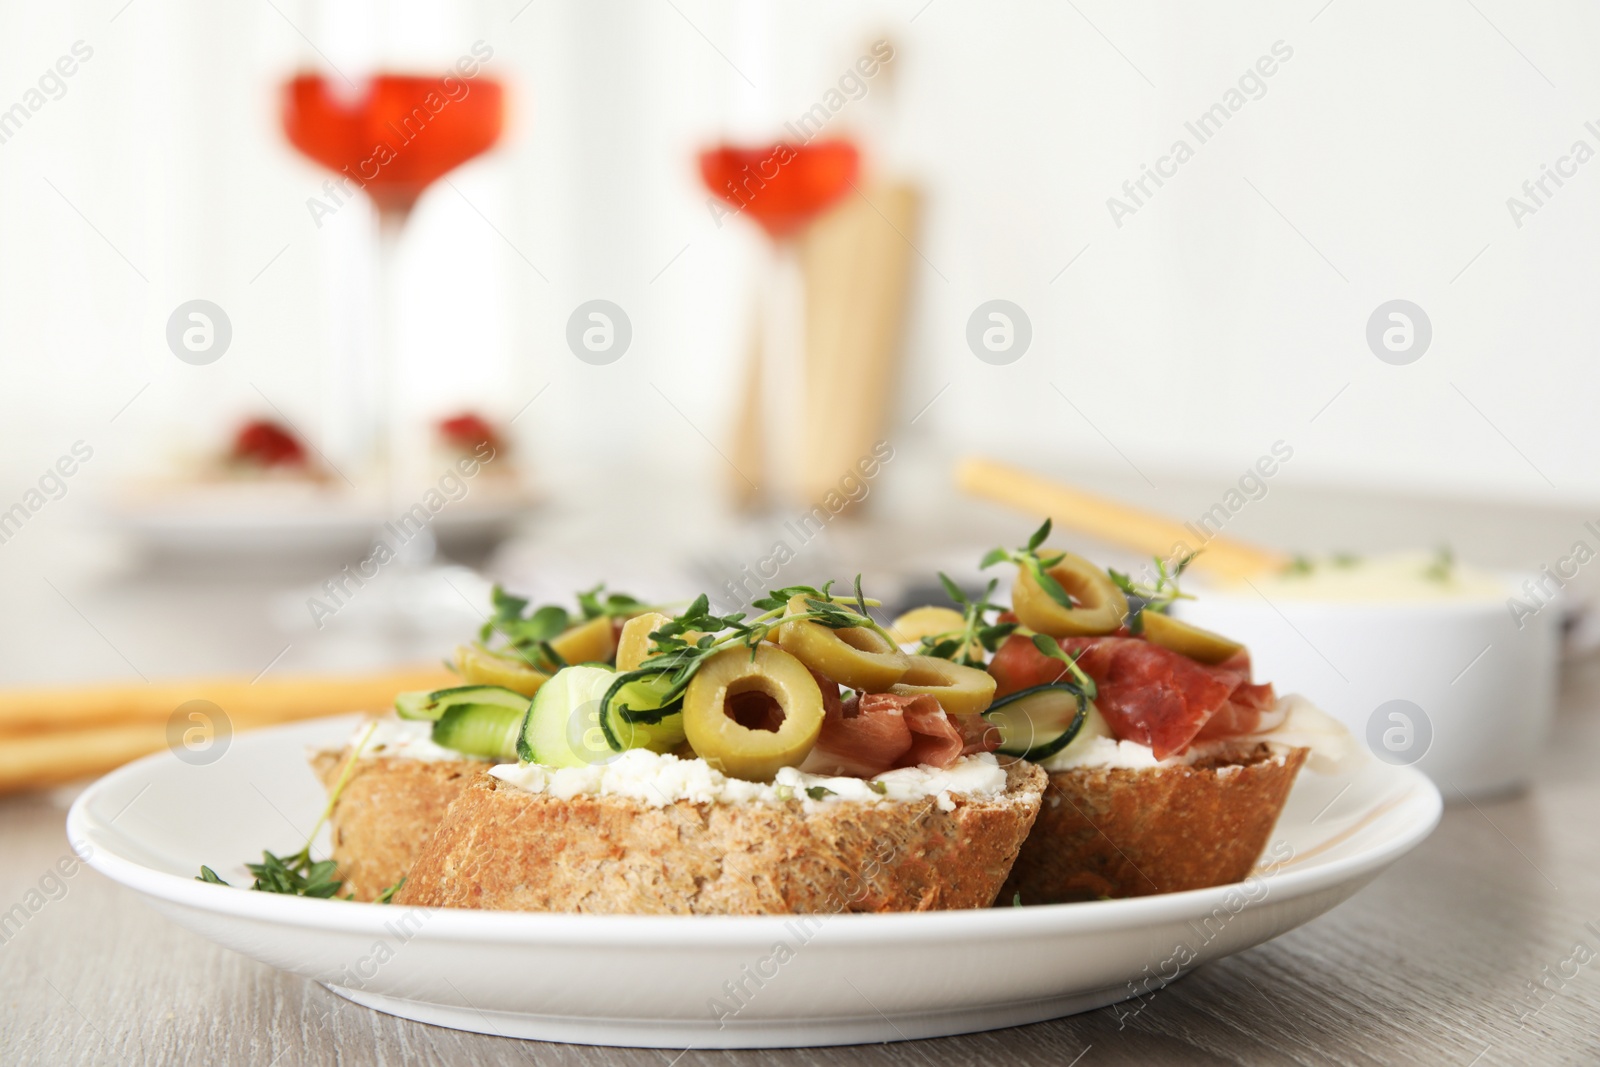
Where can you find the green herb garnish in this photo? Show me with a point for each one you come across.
(1028, 558)
(1157, 597)
(387, 896)
(298, 875)
(674, 660)
(880, 788)
(1050, 647)
(977, 631)
(817, 792)
(524, 632)
(613, 606)
(528, 634)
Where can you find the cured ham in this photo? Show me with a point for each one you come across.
(1147, 693)
(977, 733)
(934, 738)
(875, 732)
(859, 741)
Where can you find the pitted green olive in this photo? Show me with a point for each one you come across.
(1201, 645)
(857, 656)
(959, 690)
(594, 641)
(633, 647)
(1099, 606)
(912, 626)
(750, 715)
(478, 666)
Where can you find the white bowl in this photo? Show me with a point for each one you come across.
(1453, 687)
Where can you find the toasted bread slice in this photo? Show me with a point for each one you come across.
(503, 848)
(1121, 832)
(388, 810)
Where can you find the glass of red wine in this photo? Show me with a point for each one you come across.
(390, 98)
(783, 187)
(393, 134)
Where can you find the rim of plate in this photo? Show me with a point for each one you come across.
(473, 925)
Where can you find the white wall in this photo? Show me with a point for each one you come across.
(1193, 336)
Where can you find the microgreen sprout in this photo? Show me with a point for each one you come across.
(1158, 597)
(1037, 566)
(978, 633)
(528, 634)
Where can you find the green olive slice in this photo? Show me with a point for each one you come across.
(478, 666)
(1181, 637)
(633, 646)
(1098, 605)
(959, 690)
(751, 715)
(856, 656)
(594, 641)
(912, 626)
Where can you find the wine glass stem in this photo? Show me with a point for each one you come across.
(390, 444)
(783, 378)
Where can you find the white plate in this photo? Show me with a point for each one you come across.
(658, 981)
(293, 519)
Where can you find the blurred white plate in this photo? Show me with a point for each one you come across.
(294, 519)
(656, 981)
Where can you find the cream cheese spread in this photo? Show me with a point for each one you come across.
(1299, 725)
(658, 780)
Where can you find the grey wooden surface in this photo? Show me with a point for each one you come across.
(1437, 962)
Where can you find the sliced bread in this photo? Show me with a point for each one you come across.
(503, 848)
(389, 808)
(1130, 832)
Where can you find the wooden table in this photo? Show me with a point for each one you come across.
(1437, 962)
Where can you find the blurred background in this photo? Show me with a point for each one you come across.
(1136, 250)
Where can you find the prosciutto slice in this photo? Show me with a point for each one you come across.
(875, 732)
(859, 741)
(1148, 694)
(934, 738)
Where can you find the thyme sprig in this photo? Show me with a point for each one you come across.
(977, 634)
(295, 875)
(1038, 567)
(1158, 597)
(298, 875)
(683, 644)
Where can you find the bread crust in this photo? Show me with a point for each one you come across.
(506, 849)
(388, 810)
(1123, 832)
